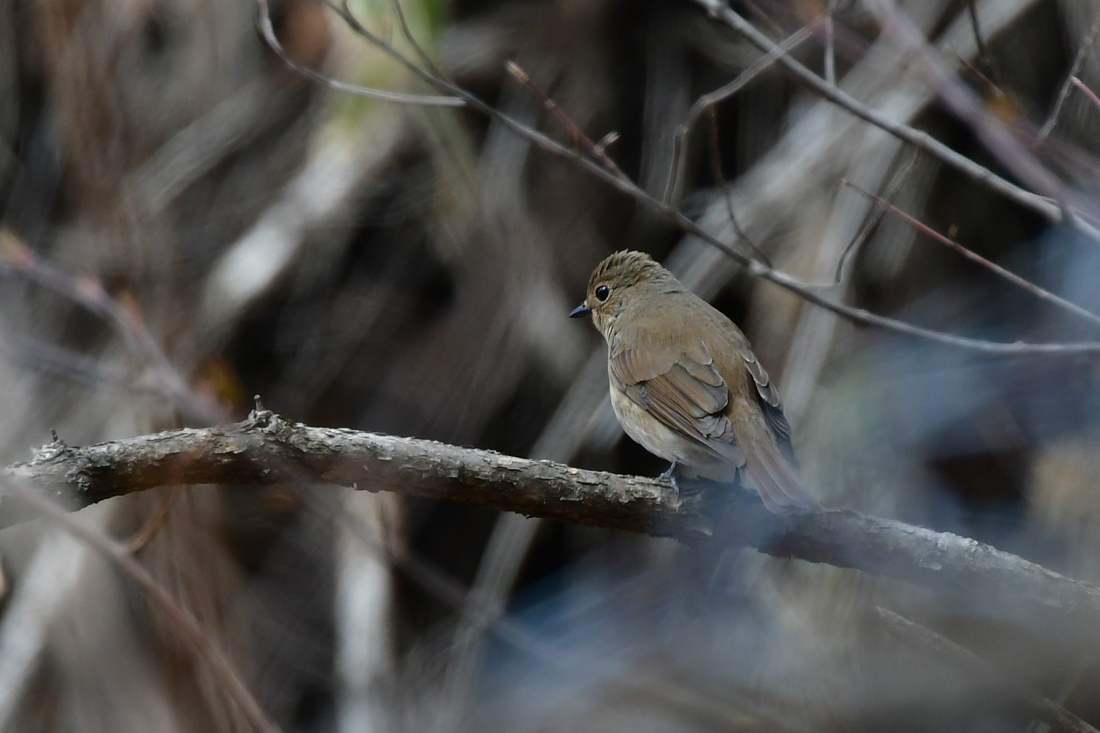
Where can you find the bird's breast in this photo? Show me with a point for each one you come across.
(694, 457)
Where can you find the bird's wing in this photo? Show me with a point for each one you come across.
(682, 389)
(769, 402)
(685, 392)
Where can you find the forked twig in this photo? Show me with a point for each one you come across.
(406, 30)
(426, 100)
(876, 216)
(1074, 70)
(757, 67)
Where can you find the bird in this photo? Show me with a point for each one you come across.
(686, 385)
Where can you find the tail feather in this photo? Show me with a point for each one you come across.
(775, 478)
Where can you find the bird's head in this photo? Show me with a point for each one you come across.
(614, 281)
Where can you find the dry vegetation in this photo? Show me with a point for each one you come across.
(896, 203)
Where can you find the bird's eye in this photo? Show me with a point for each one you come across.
(602, 293)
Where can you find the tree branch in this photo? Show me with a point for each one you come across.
(265, 449)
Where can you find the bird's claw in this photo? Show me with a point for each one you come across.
(670, 474)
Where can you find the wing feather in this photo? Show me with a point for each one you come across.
(769, 402)
(688, 396)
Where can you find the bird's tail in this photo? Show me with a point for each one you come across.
(774, 477)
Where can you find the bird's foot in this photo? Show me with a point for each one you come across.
(670, 474)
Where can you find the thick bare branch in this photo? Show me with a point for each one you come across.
(265, 449)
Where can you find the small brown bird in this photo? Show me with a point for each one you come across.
(685, 383)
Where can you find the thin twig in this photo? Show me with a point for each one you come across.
(983, 51)
(966, 64)
(875, 216)
(424, 100)
(406, 30)
(996, 269)
(679, 142)
(593, 149)
(153, 522)
(973, 665)
(1088, 92)
(716, 169)
(175, 615)
(1074, 70)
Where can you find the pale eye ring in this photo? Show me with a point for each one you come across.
(603, 293)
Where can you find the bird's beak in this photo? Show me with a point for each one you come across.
(580, 310)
